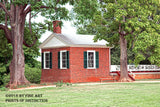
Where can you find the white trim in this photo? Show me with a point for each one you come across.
(136, 68)
(61, 59)
(44, 61)
(48, 39)
(94, 61)
(140, 73)
(85, 46)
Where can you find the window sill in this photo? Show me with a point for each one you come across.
(63, 68)
(46, 68)
(91, 68)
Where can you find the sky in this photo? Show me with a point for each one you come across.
(67, 28)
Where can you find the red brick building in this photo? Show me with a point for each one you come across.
(74, 58)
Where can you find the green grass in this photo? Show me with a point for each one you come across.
(147, 79)
(103, 95)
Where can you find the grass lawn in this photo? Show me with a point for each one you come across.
(102, 95)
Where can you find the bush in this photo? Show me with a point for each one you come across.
(4, 76)
(59, 84)
(3, 89)
(33, 75)
(6, 79)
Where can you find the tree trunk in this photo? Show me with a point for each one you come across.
(123, 61)
(17, 65)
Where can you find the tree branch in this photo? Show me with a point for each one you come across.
(30, 26)
(116, 1)
(4, 3)
(29, 9)
(24, 6)
(34, 14)
(120, 29)
(129, 32)
(26, 11)
(5, 19)
(7, 32)
(5, 9)
(30, 45)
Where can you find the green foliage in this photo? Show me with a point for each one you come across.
(4, 75)
(30, 56)
(30, 53)
(4, 89)
(59, 84)
(50, 9)
(33, 74)
(68, 84)
(5, 49)
(138, 21)
(6, 79)
(115, 56)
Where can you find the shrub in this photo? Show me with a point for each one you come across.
(69, 84)
(4, 76)
(3, 89)
(33, 75)
(6, 79)
(59, 84)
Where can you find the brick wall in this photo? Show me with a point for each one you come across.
(155, 75)
(144, 75)
(76, 72)
(81, 74)
(55, 74)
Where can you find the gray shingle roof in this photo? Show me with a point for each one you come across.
(80, 39)
(75, 40)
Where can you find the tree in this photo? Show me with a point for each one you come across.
(128, 23)
(31, 53)
(13, 17)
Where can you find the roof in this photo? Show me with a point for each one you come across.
(76, 40)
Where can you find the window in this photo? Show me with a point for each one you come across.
(91, 59)
(47, 60)
(63, 59)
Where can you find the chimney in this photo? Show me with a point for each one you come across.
(56, 26)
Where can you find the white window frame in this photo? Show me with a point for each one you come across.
(61, 67)
(45, 59)
(94, 59)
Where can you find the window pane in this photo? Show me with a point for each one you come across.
(64, 59)
(47, 64)
(90, 59)
(47, 60)
(64, 64)
(47, 56)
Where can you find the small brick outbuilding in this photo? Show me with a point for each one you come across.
(74, 58)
